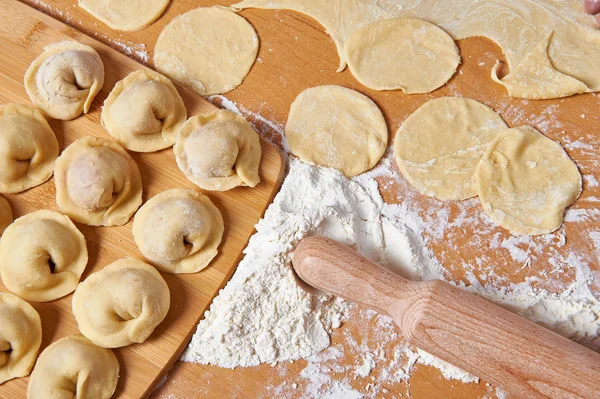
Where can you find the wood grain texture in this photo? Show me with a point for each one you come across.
(296, 53)
(23, 33)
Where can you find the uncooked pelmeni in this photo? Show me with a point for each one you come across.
(128, 15)
(438, 146)
(144, 112)
(402, 53)
(6, 216)
(209, 50)
(28, 148)
(525, 181)
(64, 79)
(218, 151)
(73, 367)
(121, 304)
(20, 337)
(336, 127)
(97, 182)
(178, 230)
(47, 264)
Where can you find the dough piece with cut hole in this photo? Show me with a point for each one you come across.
(337, 127)
(144, 112)
(438, 146)
(73, 367)
(97, 182)
(402, 53)
(6, 216)
(218, 151)
(28, 148)
(121, 304)
(209, 50)
(64, 79)
(126, 15)
(20, 337)
(525, 181)
(178, 231)
(47, 264)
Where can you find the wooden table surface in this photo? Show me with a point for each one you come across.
(295, 54)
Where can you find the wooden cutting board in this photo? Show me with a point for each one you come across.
(24, 31)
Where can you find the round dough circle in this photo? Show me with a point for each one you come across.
(49, 263)
(64, 79)
(97, 182)
(121, 304)
(209, 50)
(6, 217)
(218, 151)
(525, 181)
(402, 53)
(28, 148)
(178, 231)
(336, 127)
(128, 15)
(73, 367)
(438, 146)
(21, 334)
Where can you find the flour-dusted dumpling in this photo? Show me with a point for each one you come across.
(144, 112)
(218, 151)
(64, 79)
(73, 367)
(97, 182)
(6, 216)
(20, 337)
(42, 256)
(28, 148)
(121, 304)
(178, 230)
(127, 15)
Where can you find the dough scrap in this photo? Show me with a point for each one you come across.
(438, 146)
(209, 50)
(218, 151)
(97, 182)
(121, 304)
(49, 263)
(28, 148)
(178, 231)
(144, 112)
(20, 337)
(525, 181)
(128, 15)
(337, 127)
(517, 26)
(6, 217)
(402, 53)
(73, 367)
(63, 81)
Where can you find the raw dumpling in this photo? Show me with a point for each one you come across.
(127, 15)
(28, 148)
(178, 231)
(218, 151)
(47, 264)
(144, 112)
(20, 336)
(97, 182)
(6, 217)
(64, 79)
(73, 367)
(121, 304)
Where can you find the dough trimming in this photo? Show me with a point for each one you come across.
(126, 15)
(47, 264)
(6, 216)
(178, 230)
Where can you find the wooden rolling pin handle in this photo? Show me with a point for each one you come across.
(461, 328)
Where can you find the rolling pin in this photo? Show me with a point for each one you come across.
(463, 329)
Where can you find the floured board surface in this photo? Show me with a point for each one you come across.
(24, 31)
